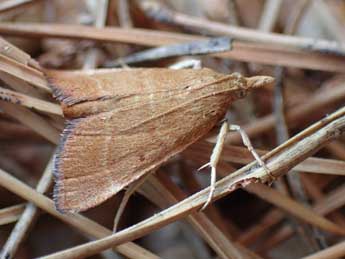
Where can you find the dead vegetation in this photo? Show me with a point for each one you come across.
(297, 126)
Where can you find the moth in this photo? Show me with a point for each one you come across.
(123, 123)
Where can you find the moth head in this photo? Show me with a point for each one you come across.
(242, 85)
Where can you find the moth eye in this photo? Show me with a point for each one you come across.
(241, 94)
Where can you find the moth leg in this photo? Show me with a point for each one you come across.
(215, 156)
(217, 150)
(248, 144)
(128, 193)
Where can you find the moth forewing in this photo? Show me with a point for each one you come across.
(124, 123)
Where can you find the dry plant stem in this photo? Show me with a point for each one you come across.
(315, 102)
(242, 51)
(306, 231)
(29, 102)
(333, 252)
(26, 73)
(330, 128)
(208, 46)
(332, 201)
(165, 15)
(28, 217)
(294, 19)
(327, 204)
(321, 207)
(11, 4)
(251, 235)
(269, 15)
(9, 50)
(162, 186)
(11, 214)
(83, 224)
(32, 120)
(234, 18)
(123, 14)
(337, 149)
(312, 237)
(91, 58)
(194, 242)
(334, 27)
(293, 207)
(12, 52)
(240, 155)
(20, 86)
(287, 204)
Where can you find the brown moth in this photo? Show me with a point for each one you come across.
(122, 123)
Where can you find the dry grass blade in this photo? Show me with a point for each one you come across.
(26, 73)
(301, 45)
(294, 208)
(28, 216)
(208, 46)
(314, 137)
(91, 59)
(7, 5)
(11, 214)
(269, 15)
(275, 216)
(333, 252)
(287, 204)
(316, 101)
(29, 102)
(242, 51)
(161, 13)
(9, 50)
(334, 200)
(240, 155)
(85, 225)
(166, 193)
(32, 120)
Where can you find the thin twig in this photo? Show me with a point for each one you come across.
(123, 14)
(162, 186)
(85, 225)
(7, 5)
(28, 217)
(242, 51)
(320, 99)
(163, 14)
(333, 252)
(24, 72)
(92, 56)
(31, 120)
(29, 102)
(269, 15)
(11, 214)
(284, 202)
(241, 155)
(203, 47)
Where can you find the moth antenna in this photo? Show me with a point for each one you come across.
(259, 81)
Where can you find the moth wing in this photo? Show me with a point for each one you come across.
(73, 87)
(98, 157)
(114, 142)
